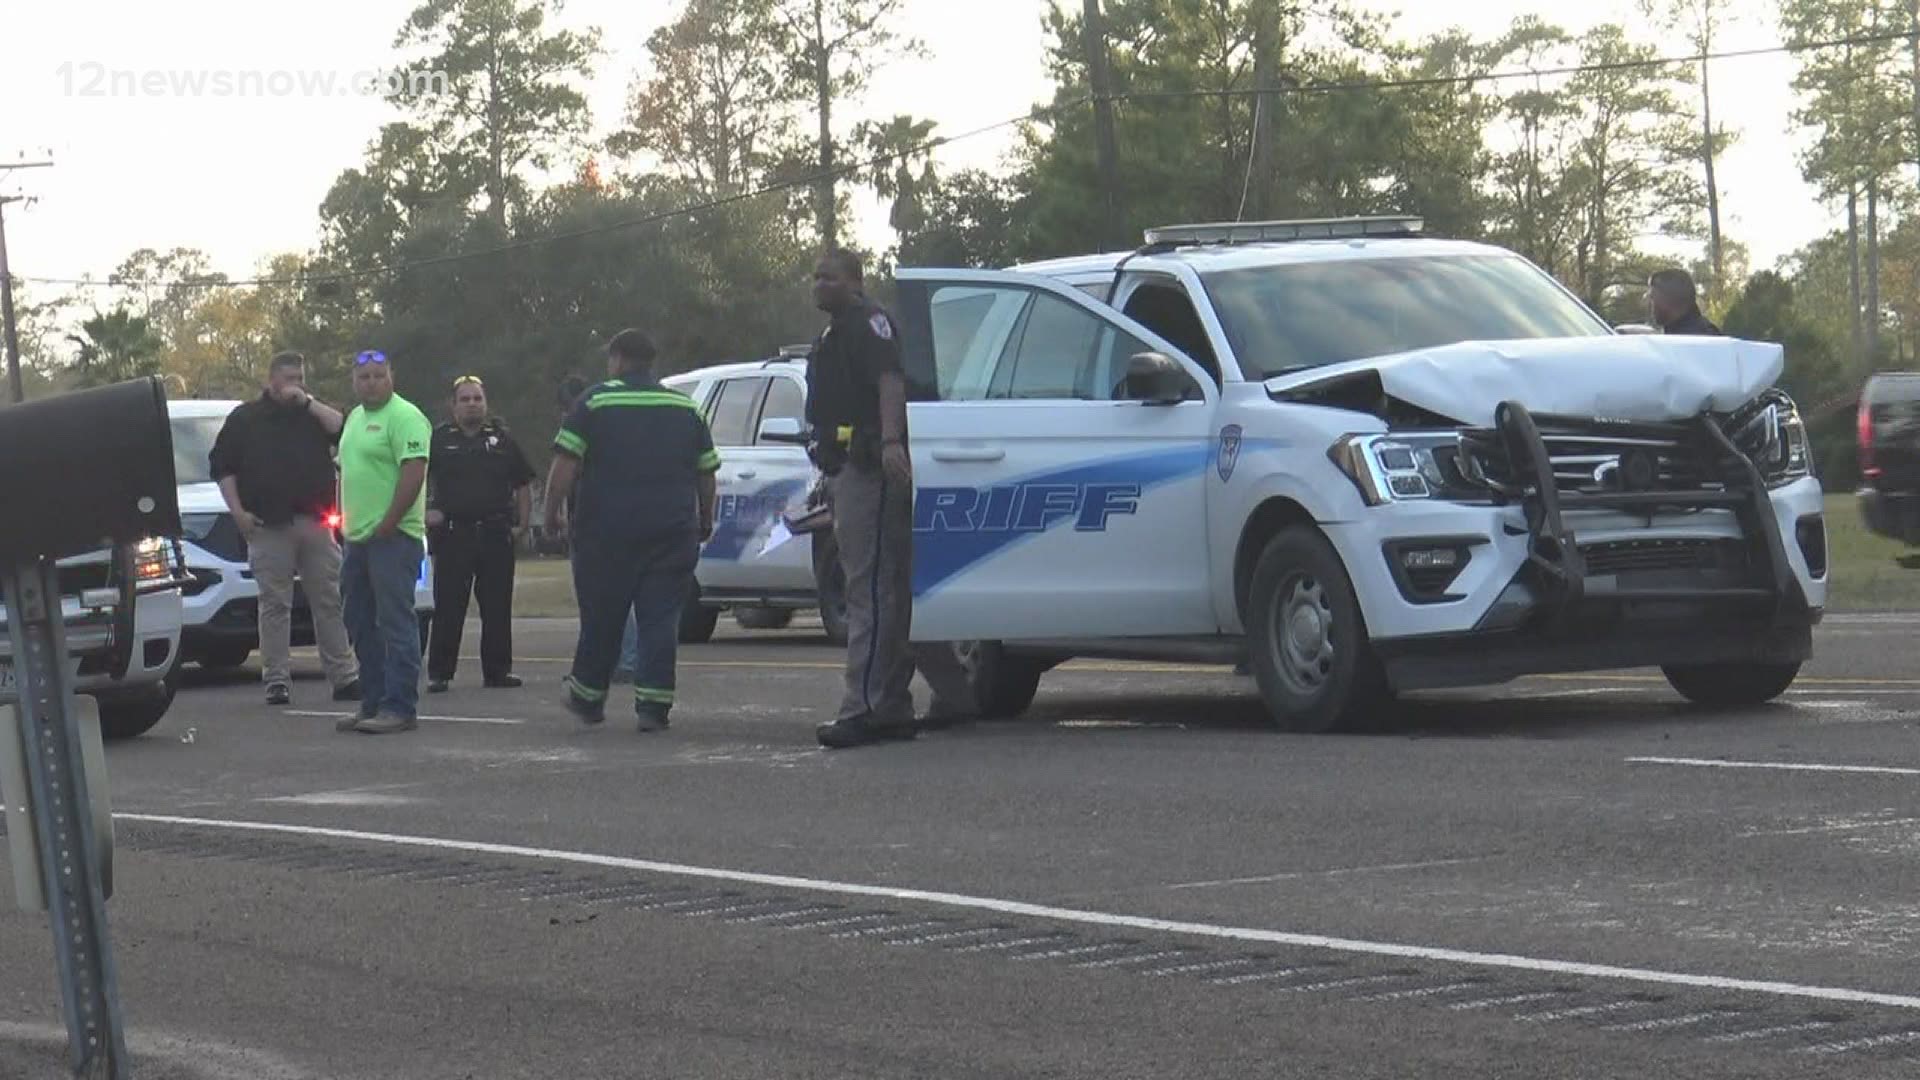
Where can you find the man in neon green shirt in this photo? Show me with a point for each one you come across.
(384, 447)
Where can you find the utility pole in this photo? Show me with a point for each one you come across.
(1266, 55)
(12, 331)
(1106, 142)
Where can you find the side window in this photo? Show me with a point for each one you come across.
(971, 326)
(1053, 355)
(735, 403)
(1165, 310)
(785, 400)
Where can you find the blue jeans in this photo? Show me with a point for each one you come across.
(376, 587)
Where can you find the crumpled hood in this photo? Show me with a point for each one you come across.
(1625, 377)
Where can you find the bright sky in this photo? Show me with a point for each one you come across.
(241, 175)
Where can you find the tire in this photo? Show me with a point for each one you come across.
(1003, 684)
(224, 657)
(1730, 686)
(1307, 638)
(830, 581)
(763, 618)
(697, 621)
(131, 717)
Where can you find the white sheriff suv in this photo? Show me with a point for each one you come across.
(757, 413)
(1362, 460)
(222, 600)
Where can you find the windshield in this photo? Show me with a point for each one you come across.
(1290, 318)
(192, 440)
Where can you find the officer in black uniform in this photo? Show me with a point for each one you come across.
(857, 405)
(479, 496)
(644, 464)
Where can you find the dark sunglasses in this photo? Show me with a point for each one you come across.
(371, 356)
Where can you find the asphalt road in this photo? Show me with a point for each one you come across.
(1568, 877)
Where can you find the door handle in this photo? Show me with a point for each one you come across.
(965, 453)
(747, 474)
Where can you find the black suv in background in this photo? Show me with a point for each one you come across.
(1890, 455)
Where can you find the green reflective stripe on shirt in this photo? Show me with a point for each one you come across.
(710, 461)
(641, 398)
(653, 697)
(570, 442)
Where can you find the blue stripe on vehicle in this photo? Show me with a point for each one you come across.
(734, 531)
(997, 519)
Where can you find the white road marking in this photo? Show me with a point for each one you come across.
(1782, 766)
(344, 798)
(1578, 1011)
(1423, 991)
(1663, 1023)
(1336, 872)
(1891, 1038)
(499, 720)
(1505, 999)
(1770, 1032)
(1066, 915)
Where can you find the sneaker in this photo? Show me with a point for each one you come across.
(505, 682)
(438, 686)
(352, 723)
(279, 694)
(386, 723)
(348, 692)
(653, 721)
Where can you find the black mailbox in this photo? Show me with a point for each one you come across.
(82, 470)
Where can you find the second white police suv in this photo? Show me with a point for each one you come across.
(1362, 460)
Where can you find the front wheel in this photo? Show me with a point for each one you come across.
(1727, 686)
(763, 618)
(223, 657)
(1307, 638)
(132, 717)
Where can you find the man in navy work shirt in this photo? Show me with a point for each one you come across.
(640, 460)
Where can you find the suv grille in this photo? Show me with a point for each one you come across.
(1627, 556)
(1596, 456)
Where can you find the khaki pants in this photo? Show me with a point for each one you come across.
(873, 524)
(306, 548)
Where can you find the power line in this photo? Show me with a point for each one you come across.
(1037, 114)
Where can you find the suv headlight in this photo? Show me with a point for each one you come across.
(1776, 439)
(1404, 467)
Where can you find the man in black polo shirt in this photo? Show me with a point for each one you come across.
(479, 495)
(273, 460)
(1674, 304)
(644, 462)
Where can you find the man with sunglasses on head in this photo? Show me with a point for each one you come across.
(479, 496)
(384, 448)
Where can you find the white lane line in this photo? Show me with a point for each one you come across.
(1336, 872)
(1066, 915)
(1777, 1030)
(1892, 1038)
(498, 720)
(1782, 766)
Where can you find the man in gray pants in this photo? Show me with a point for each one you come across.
(857, 404)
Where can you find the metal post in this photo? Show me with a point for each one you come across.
(62, 812)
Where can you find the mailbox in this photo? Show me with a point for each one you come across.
(82, 470)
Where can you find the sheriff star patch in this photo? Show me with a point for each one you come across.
(882, 328)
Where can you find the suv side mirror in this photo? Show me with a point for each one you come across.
(783, 429)
(1154, 379)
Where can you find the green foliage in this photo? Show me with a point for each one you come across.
(118, 345)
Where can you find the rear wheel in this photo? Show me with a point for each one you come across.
(223, 657)
(1307, 639)
(1004, 684)
(763, 618)
(697, 621)
(1728, 686)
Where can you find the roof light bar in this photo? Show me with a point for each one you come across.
(1253, 232)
